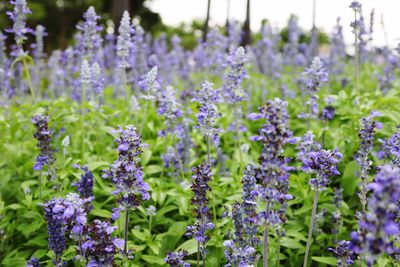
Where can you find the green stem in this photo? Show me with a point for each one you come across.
(356, 56)
(83, 99)
(28, 76)
(198, 254)
(126, 231)
(144, 116)
(127, 92)
(311, 228)
(238, 145)
(212, 181)
(266, 236)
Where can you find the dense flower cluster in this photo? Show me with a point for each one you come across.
(391, 148)
(99, 247)
(381, 221)
(366, 135)
(344, 253)
(232, 87)
(33, 262)
(241, 250)
(62, 216)
(85, 184)
(273, 172)
(124, 40)
(90, 39)
(201, 177)
(43, 136)
(316, 76)
(323, 163)
(176, 259)
(208, 113)
(149, 85)
(19, 29)
(126, 173)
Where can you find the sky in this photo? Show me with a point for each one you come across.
(173, 12)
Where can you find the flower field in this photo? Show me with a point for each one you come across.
(127, 149)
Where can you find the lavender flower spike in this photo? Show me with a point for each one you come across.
(208, 114)
(126, 173)
(272, 175)
(323, 164)
(33, 262)
(124, 40)
(366, 135)
(241, 250)
(19, 29)
(200, 229)
(85, 184)
(91, 40)
(381, 221)
(100, 247)
(176, 259)
(43, 136)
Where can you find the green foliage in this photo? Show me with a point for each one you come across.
(23, 231)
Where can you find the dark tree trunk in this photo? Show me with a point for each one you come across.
(246, 40)
(205, 29)
(117, 9)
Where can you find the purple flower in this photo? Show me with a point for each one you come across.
(33, 262)
(176, 259)
(124, 40)
(316, 76)
(19, 29)
(240, 251)
(126, 173)
(323, 163)
(366, 135)
(380, 223)
(272, 175)
(344, 254)
(99, 247)
(91, 40)
(200, 185)
(232, 88)
(85, 184)
(43, 136)
(208, 114)
(391, 148)
(149, 85)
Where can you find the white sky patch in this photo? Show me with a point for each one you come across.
(173, 12)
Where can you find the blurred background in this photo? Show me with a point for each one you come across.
(187, 18)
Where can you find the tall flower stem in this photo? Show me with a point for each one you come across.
(198, 254)
(144, 116)
(29, 79)
(356, 56)
(266, 236)
(126, 231)
(311, 228)
(212, 181)
(83, 99)
(238, 137)
(127, 92)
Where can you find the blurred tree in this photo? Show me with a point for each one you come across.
(246, 40)
(61, 16)
(205, 29)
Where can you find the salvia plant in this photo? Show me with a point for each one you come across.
(262, 202)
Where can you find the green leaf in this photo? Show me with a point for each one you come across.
(291, 243)
(190, 246)
(326, 260)
(153, 259)
(349, 181)
(101, 213)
